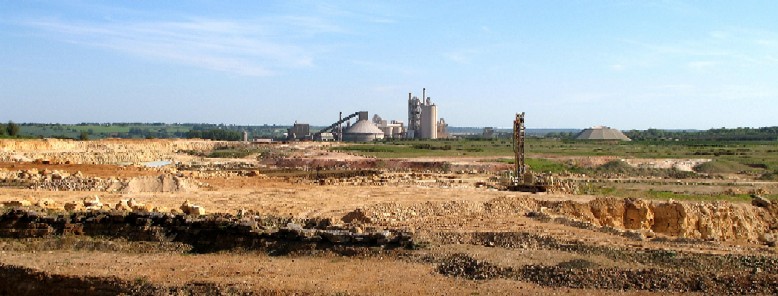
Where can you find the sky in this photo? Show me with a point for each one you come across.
(566, 64)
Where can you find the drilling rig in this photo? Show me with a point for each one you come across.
(522, 179)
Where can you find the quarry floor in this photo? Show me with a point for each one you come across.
(407, 272)
(323, 274)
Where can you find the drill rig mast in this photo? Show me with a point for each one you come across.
(518, 144)
(523, 180)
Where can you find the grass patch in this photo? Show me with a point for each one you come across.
(667, 195)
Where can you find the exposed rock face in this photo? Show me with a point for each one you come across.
(718, 221)
(638, 214)
(110, 151)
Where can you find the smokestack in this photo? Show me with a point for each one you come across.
(409, 97)
(423, 94)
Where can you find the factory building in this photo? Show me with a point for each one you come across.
(392, 129)
(422, 117)
(299, 131)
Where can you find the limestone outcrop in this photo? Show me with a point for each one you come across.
(716, 221)
(111, 151)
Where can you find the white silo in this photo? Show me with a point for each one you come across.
(429, 120)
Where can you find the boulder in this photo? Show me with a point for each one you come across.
(93, 203)
(46, 203)
(123, 205)
(358, 216)
(74, 206)
(138, 206)
(192, 209)
(759, 201)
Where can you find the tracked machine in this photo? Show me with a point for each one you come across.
(522, 179)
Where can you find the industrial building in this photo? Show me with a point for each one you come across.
(423, 123)
(422, 117)
(363, 130)
(299, 131)
(392, 129)
(601, 133)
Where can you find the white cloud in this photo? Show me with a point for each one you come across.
(252, 47)
(732, 47)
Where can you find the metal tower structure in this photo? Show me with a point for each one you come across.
(518, 145)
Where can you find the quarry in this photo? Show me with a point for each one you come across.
(305, 218)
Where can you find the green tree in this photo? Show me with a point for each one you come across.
(2, 129)
(12, 129)
(84, 136)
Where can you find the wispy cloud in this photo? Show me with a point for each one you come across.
(250, 47)
(734, 47)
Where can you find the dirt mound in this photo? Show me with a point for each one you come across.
(162, 183)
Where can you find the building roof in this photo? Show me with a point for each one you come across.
(601, 133)
(364, 127)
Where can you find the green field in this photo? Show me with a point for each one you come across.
(103, 131)
(749, 157)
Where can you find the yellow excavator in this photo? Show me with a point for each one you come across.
(522, 179)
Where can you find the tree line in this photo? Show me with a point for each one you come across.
(215, 134)
(9, 130)
(716, 134)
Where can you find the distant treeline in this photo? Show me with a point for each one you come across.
(140, 130)
(720, 134)
(215, 134)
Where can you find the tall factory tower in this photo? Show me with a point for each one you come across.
(422, 117)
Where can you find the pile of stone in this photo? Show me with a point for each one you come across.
(388, 213)
(55, 180)
(93, 203)
(462, 265)
(709, 283)
(401, 179)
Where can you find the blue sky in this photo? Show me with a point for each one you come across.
(567, 64)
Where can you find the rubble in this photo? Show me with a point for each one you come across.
(62, 181)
